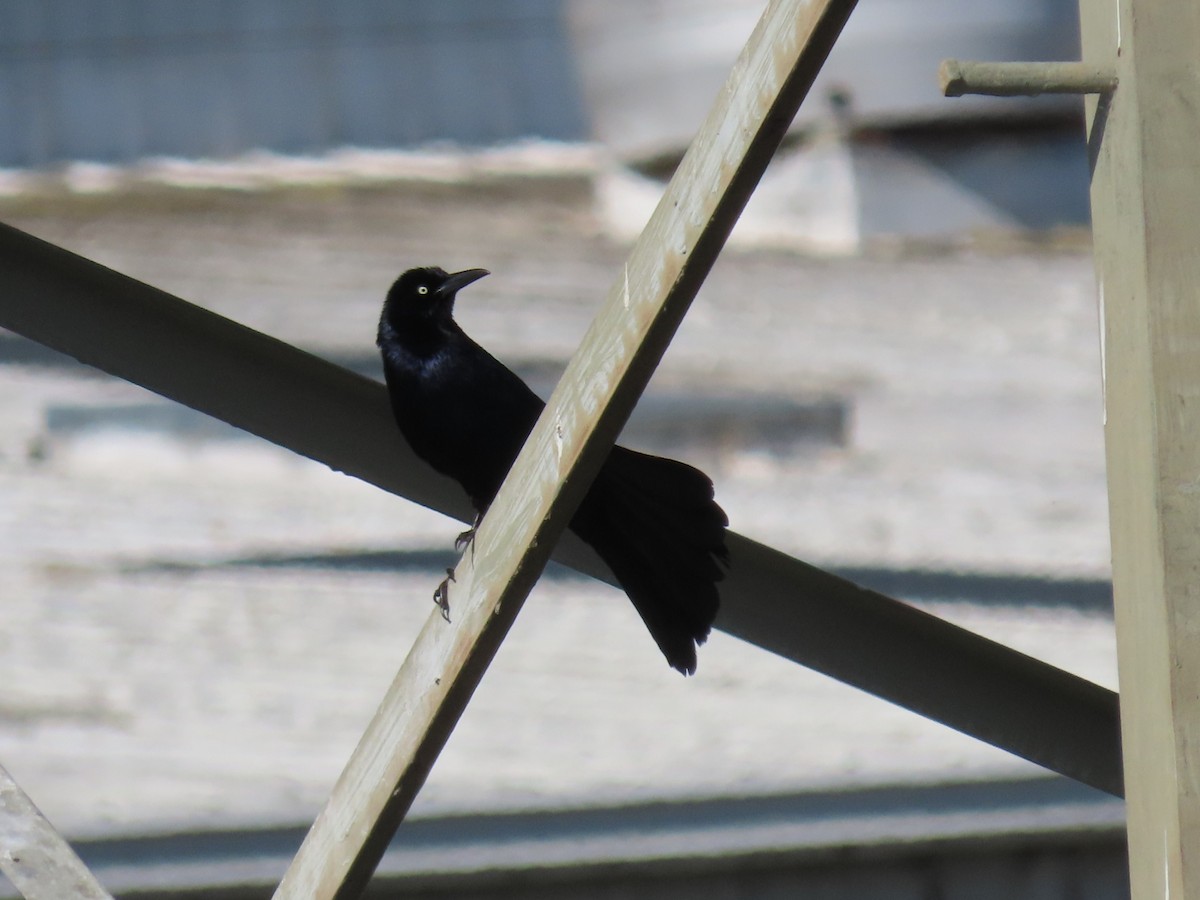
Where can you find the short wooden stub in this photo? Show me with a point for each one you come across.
(958, 78)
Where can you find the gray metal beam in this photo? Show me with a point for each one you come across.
(257, 383)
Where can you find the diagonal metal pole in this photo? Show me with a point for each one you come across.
(257, 383)
(312, 407)
(584, 415)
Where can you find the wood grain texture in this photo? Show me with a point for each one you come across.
(35, 857)
(1145, 203)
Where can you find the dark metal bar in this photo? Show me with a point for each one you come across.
(188, 354)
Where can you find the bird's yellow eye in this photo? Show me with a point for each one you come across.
(422, 290)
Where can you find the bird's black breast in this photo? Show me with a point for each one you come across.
(462, 411)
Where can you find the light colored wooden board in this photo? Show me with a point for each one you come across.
(34, 856)
(1145, 148)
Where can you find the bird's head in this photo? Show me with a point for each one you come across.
(426, 293)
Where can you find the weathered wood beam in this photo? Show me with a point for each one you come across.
(34, 856)
(582, 419)
(1144, 145)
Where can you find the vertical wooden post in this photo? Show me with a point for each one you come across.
(1144, 144)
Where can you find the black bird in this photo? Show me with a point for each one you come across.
(652, 520)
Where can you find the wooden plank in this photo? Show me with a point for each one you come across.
(585, 413)
(37, 860)
(144, 335)
(1145, 152)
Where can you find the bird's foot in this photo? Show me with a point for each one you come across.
(441, 596)
(461, 542)
(468, 537)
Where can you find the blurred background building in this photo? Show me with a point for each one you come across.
(876, 150)
(197, 625)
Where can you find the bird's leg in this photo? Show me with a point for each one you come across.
(468, 537)
(460, 542)
(441, 596)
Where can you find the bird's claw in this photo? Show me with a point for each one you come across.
(461, 542)
(468, 537)
(441, 595)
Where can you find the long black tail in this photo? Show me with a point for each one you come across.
(656, 525)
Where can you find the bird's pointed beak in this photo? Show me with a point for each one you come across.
(460, 280)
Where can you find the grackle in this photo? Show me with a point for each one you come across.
(652, 520)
